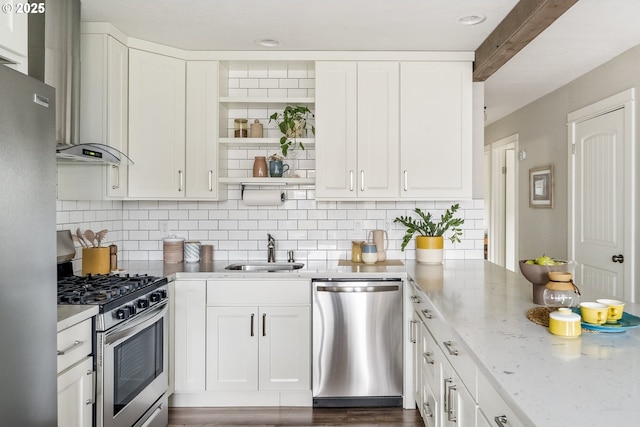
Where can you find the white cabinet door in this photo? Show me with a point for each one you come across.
(285, 343)
(189, 335)
(357, 130)
(202, 168)
(14, 34)
(117, 114)
(336, 131)
(378, 129)
(156, 125)
(436, 149)
(75, 395)
(232, 348)
(458, 406)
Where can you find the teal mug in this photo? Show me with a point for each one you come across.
(276, 168)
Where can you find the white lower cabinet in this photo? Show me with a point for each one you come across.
(239, 342)
(188, 334)
(258, 348)
(76, 394)
(493, 410)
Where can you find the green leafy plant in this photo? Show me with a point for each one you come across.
(427, 226)
(291, 122)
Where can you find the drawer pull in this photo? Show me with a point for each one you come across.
(426, 358)
(451, 416)
(415, 299)
(427, 314)
(264, 324)
(75, 344)
(252, 316)
(427, 410)
(448, 344)
(501, 420)
(412, 332)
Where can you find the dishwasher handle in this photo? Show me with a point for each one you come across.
(353, 289)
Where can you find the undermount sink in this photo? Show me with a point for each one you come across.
(265, 266)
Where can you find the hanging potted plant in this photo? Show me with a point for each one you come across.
(430, 239)
(292, 122)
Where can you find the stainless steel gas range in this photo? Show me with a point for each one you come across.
(130, 345)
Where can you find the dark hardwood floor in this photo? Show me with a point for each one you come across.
(288, 416)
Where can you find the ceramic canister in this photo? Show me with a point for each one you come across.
(565, 323)
(191, 251)
(369, 253)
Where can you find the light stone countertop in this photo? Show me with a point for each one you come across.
(69, 315)
(591, 380)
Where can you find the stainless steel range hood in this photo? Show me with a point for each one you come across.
(54, 58)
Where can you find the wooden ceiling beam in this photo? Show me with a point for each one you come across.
(525, 22)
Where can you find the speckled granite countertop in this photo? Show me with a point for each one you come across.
(591, 380)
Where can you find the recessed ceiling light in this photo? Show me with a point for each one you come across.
(471, 19)
(268, 42)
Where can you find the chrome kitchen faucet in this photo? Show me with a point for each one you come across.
(271, 249)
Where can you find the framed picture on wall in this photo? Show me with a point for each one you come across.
(541, 187)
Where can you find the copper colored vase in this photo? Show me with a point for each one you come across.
(260, 167)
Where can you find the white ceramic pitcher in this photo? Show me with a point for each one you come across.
(381, 239)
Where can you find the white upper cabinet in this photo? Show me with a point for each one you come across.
(157, 87)
(203, 167)
(14, 34)
(393, 130)
(436, 130)
(104, 104)
(357, 125)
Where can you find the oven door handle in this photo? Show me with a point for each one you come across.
(141, 322)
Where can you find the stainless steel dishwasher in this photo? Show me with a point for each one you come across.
(357, 342)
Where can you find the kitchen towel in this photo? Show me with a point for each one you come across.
(262, 197)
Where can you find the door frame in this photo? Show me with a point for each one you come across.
(624, 100)
(498, 202)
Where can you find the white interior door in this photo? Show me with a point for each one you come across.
(503, 216)
(599, 207)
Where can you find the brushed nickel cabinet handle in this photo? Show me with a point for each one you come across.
(181, 178)
(362, 180)
(210, 180)
(350, 180)
(406, 181)
(448, 344)
(412, 334)
(74, 345)
(501, 420)
(116, 171)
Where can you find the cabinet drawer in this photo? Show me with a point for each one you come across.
(494, 408)
(258, 292)
(74, 344)
(449, 343)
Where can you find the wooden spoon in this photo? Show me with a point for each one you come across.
(90, 235)
(100, 235)
(80, 238)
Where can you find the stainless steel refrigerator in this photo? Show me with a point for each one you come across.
(28, 305)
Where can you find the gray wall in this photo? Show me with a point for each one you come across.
(541, 127)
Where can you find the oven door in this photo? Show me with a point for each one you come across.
(133, 371)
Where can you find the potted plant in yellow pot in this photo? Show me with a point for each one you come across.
(430, 239)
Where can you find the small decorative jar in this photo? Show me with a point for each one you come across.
(565, 323)
(256, 129)
(369, 253)
(260, 167)
(240, 128)
(356, 250)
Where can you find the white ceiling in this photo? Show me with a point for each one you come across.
(590, 33)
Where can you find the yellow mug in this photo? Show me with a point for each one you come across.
(616, 308)
(594, 312)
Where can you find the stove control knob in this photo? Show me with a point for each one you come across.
(132, 309)
(154, 297)
(142, 303)
(122, 313)
(163, 293)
